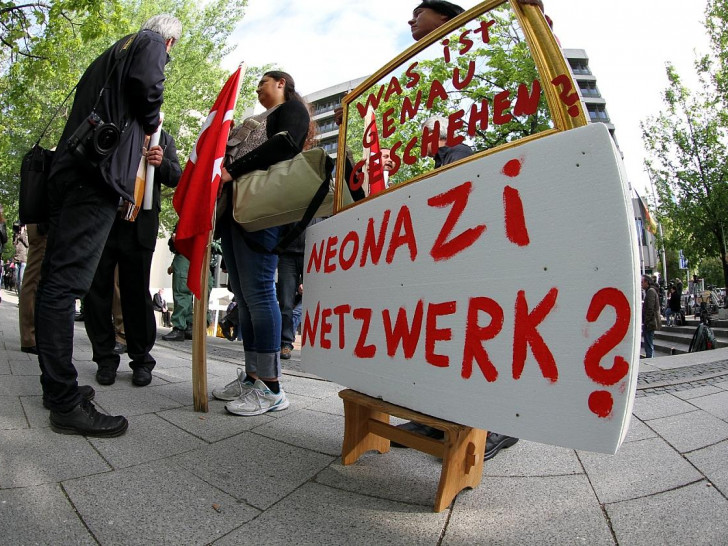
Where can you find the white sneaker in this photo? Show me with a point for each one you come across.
(258, 400)
(234, 389)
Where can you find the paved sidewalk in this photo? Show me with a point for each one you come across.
(181, 477)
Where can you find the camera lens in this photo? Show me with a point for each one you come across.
(106, 137)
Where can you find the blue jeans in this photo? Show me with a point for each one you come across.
(20, 271)
(82, 211)
(290, 270)
(251, 277)
(649, 336)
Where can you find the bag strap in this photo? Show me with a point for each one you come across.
(301, 225)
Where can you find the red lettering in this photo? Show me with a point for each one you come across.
(329, 258)
(388, 123)
(501, 103)
(455, 123)
(408, 158)
(410, 110)
(373, 247)
(466, 42)
(446, 50)
(433, 334)
(516, 229)
(444, 249)
(478, 119)
(614, 298)
(457, 83)
(475, 335)
(402, 234)
(414, 77)
(362, 350)
(347, 263)
(437, 91)
(314, 261)
(341, 311)
(370, 134)
(372, 101)
(527, 103)
(356, 180)
(324, 341)
(403, 333)
(483, 30)
(525, 334)
(393, 89)
(309, 330)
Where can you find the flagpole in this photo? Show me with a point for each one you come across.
(199, 316)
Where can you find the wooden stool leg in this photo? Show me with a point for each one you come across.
(462, 464)
(357, 438)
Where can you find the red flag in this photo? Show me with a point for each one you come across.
(374, 166)
(194, 198)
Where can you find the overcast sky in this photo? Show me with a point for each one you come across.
(324, 42)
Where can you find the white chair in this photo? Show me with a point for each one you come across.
(219, 300)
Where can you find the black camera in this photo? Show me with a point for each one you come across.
(94, 139)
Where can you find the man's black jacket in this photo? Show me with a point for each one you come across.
(131, 99)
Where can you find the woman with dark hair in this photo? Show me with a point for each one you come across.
(277, 134)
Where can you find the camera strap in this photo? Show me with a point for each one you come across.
(123, 51)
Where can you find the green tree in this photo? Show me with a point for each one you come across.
(33, 86)
(687, 164)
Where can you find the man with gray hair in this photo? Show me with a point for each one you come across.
(117, 103)
(444, 155)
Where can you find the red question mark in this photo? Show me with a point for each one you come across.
(567, 95)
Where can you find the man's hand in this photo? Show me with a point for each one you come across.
(155, 154)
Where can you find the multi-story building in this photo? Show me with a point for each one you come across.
(591, 98)
(323, 103)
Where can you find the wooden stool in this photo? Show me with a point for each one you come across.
(366, 427)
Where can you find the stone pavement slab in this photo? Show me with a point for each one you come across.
(40, 456)
(636, 470)
(716, 404)
(711, 461)
(316, 514)
(40, 515)
(695, 514)
(690, 431)
(155, 503)
(529, 510)
(254, 469)
(182, 477)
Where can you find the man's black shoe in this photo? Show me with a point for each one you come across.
(188, 333)
(86, 391)
(119, 348)
(420, 429)
(495, 442)
(86, 421)
(106, 376)
(175, 335)
(32, 349)
(141, 377)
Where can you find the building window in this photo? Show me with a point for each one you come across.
(579, 66)
(597, 112)
(589, 89)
